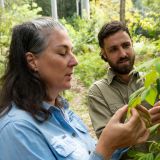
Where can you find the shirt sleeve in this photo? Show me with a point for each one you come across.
(96, 156)
(98, 108)
(21, 141)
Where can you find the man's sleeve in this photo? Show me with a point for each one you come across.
(98, 109)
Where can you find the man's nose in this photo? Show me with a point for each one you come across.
(122, 52)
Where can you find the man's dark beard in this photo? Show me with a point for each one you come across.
(125, 69)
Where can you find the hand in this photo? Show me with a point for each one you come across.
(145, 115)
(117, 134)
(155, 113)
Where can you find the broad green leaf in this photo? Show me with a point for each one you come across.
(157, 66)
(136, 94)
(146, 65)
(157, 157)
(158, 85)
(154, 128)
(150, 78)
(145, 94)
(151, 96)
(133, 103)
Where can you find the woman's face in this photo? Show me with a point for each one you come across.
(55, 64)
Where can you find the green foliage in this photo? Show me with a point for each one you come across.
(13, 16)
(83, 33)
(66, 8)
(90, 68)
(10, 16)
(152, 154)
(144, 46)
(149, 93)
(146, 24)
(46, 7)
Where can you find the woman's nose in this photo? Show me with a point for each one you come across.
(73, 61)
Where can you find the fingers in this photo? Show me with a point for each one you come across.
(144, 114)
(155, 119)
(141, 133)
(155, 114)
(155, 109)
(143, 138)
(120, 113)
(134, 117)
(157, 104)
(143, 110)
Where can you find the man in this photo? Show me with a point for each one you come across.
(106, 96)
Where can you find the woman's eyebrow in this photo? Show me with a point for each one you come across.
(64, 46)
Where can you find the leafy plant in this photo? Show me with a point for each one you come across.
(150, 92)
(90, 68)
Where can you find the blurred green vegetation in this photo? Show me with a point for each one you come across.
(144, 27)
(142, 18)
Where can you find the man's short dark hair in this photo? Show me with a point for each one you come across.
(109, 29)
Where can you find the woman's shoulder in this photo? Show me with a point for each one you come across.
(16, 116)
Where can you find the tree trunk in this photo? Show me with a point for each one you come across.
(122, 11)
(85, 9)
(2, 3)
(54, 9)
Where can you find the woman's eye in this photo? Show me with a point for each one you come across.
(62, 53)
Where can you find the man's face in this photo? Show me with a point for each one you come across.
(119, 53)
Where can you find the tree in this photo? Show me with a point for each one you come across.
(85, 8)
(122, 11)
(2, 3)
(54, 9)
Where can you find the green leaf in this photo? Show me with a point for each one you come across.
(150, 78)
(157, 66)
(151, 96)
(145, 94)
(136, 94)
(157, 157)
(154, 128)
(133, 103)
(158, 85)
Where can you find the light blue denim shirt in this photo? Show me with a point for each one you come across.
(62, 137)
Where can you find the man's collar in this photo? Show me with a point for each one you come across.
(111, 75)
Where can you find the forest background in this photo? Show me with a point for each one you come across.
(141, 16)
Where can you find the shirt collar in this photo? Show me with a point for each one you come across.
(62, 100)
(111, 75)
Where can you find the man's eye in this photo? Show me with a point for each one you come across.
(112, 50)
(126, 45)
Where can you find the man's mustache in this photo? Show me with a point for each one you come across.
(123, 59)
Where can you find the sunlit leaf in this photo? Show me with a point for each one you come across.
(151, 96)
(150, 78)
(154, 128)
(157, 66)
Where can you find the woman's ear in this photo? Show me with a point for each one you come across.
(31, 61)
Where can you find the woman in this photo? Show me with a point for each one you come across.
(36, 123)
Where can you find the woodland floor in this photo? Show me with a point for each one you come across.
(78, 103)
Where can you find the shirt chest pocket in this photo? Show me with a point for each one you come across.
(68, 148)
(114, 107)
(79, 125)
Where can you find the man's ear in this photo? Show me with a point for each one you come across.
(103, 54)
(31, 61)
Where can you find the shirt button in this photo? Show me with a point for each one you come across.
(89, 152)
(73, 134)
